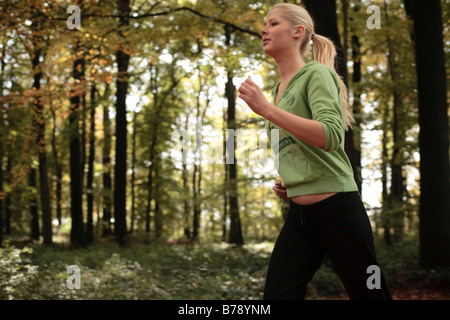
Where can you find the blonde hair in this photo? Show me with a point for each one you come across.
(323, 49)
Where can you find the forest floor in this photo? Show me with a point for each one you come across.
(165, 270)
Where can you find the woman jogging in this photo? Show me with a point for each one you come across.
(326, 214)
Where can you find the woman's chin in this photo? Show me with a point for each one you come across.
(268, 51)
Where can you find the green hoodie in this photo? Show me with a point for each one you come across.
(313, 93)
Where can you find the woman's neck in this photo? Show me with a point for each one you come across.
(289, 66)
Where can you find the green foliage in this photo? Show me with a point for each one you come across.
(155, 271)
(16, 272)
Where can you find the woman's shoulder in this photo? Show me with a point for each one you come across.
(317, 67)
(321, 72)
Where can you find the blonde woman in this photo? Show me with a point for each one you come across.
(326, 214)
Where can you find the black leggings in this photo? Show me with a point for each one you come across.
(337, 226)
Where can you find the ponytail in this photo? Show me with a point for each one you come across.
(323, 49)
(325, 53)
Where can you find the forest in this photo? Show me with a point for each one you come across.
(127, 157)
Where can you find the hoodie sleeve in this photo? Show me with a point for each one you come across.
(323, 93)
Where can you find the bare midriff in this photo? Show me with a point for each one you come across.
(311, 198)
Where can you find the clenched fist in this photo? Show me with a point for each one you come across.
(254, 97)
(280, 191)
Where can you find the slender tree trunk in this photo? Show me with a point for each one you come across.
(398, 187)
(197, 176)
(196, 205)
(35, 233)
(158, 213)
(386, 212)
(2, 72)
(195, 200)
(83, 142)
(434, 208)
(90, 175)
(133, 173)
(356, 80)
(106, 161)
(8, 198)
(58, 171)
(76, 232)
(226, 180)
(39, 125)
(186, 194)
(1, 179)
(120, 169)
(235, 233)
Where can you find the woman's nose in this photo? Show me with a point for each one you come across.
(263, 31)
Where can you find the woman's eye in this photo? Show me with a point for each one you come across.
(274, 24)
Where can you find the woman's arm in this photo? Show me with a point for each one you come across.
(310, 131)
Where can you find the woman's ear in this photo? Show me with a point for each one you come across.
(299, 31)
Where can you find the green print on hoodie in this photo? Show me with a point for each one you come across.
(313, 93)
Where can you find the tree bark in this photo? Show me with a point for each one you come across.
(235, 232)
(386, 212)
(35, 231)
(90, 175)
(133, 172)
(58, 171)
(76, 232)
(39, 125)
(356, 107)
(120, 168)
(106, 161)
(398, 188)
(226, 179)
(434, 208)
(2, 71)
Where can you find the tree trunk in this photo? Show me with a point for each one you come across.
(197, 176)
(7, 221)
(235, 233)
(434, 208)
(90, 175)
(106, 161)
(186, 194)
(58, 171)
(158, 213)
(226, 179)
(76, 232)
(385, 212)
(196, 204)
(398, 188)
(1, 178)
(39, 125)
(2, 71)
(120, 169)
(83, 142)
(356, 80)
(35, 233)
(133, 173)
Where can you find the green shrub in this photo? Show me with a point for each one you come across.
(16, 272)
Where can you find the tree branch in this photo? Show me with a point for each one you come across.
(163, 13)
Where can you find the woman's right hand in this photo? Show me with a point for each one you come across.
(280, 191)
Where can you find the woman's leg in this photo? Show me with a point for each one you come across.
(295, 259)
(342, 227)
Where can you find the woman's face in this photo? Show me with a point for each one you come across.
(278, 35)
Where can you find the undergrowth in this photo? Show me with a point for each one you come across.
(159, 271)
